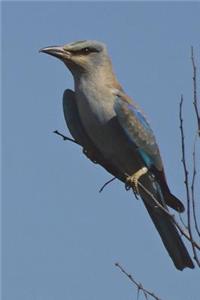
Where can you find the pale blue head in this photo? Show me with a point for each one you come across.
(80, 56)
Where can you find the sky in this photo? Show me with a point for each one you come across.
(60, 236)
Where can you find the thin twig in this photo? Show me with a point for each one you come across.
(186, 181)
(183, 160)
(181, 220)
(195, 103)
(65, 137)
(137, 284)
(105, 184)
(182, 231)
(193, 187)
(195, 140)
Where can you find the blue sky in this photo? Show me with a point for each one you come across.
(61, 237)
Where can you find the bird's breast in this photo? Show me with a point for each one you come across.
(96, 109)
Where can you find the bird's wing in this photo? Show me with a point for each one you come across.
(141, 136)
(138, 130)
(72, 119)
(78, 132)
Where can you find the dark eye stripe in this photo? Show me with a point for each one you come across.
(89, 50)
(85, 51)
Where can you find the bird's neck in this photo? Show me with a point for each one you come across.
(101, 77)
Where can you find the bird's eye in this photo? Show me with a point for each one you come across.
(86, 50)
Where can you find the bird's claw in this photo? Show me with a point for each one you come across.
(132, 181)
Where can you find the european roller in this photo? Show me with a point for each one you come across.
(115, 133)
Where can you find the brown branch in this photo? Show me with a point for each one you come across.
(195, 91)
(137, 284)
(186, 181)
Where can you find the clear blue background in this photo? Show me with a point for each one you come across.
(61, 237)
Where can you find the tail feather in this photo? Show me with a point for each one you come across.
(170, 199)
(174, 202)
(165, 225)
(170, 237)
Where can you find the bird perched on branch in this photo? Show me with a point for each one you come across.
(114, 132)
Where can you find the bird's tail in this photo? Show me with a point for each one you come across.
(170, 237)
(167, 230)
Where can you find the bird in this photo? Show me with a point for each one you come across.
(115, 133)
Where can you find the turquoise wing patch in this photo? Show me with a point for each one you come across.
(138, 131)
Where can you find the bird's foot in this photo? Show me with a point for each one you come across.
(132, 181)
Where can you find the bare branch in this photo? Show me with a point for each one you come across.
(181, 220)
(195, 90)
(139, 286)
(186, 182)
(195, 140)
(184, 231)
(65, 137)
(105, 184)
(193, 187)
(183, 160)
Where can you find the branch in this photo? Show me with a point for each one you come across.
(195, 139)
(66, 138)
(186, 181)
(181, 220)
(183, 160)
(137, 284)
(105, 184)
(193, 187)
(185, 233)
(195, 91)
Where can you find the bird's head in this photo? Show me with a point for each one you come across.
(80, 56)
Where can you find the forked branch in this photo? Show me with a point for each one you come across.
(139, 286)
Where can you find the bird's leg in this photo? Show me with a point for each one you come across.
(132, 181)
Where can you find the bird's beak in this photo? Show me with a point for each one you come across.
(57, 51)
